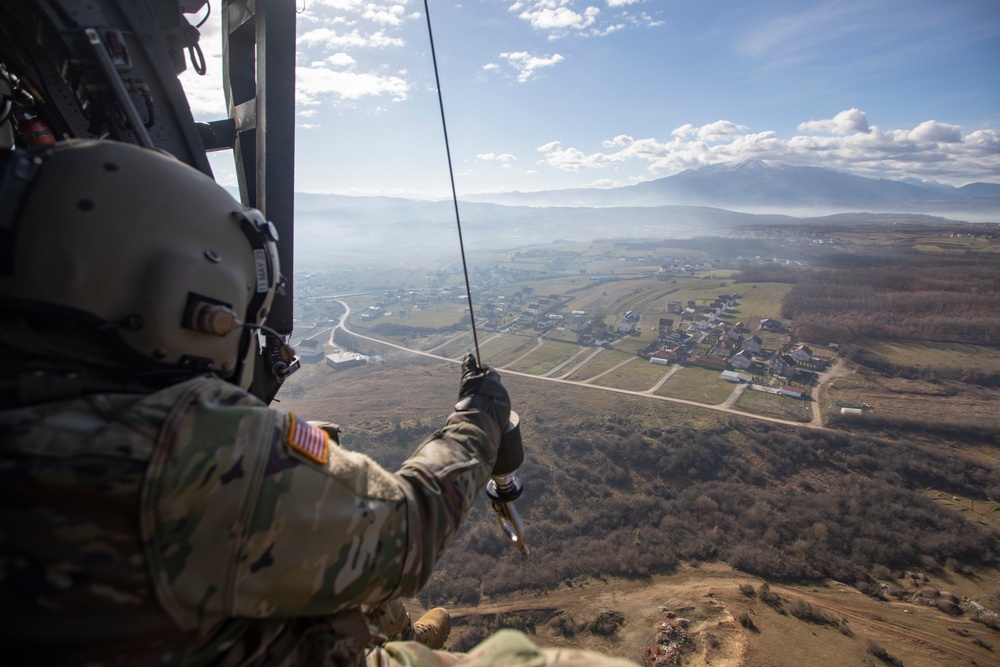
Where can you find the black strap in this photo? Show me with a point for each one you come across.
(17, 172)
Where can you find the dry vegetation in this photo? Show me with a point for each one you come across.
(779, 545)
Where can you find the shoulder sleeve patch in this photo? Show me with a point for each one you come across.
(308, 440)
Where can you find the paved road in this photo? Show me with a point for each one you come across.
(342, 324)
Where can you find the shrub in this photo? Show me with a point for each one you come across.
(876, 650)
(804, 611)
(607, 623)
(748, 623)
(769, 597)
(564, 625)
(979, 642)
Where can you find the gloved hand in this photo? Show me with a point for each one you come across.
(481, 390)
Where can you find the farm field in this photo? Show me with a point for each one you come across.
(602, 362)
(762, 300)
(941, 402)
(775, 405)
(637, 375)
(545, 358)
(697, 384)
(931, 356)
(506, 348)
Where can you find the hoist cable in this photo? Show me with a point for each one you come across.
(451, 174)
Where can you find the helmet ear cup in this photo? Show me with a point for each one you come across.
(133, 240)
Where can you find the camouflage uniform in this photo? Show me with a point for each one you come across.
(195, 523)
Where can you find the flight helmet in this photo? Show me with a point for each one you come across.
(131, 246)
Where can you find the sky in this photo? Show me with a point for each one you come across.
(554, 94)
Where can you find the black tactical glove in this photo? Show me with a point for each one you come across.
(481, 390)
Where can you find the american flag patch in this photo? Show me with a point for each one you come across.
(308, 440)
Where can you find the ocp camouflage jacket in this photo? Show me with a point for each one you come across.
(195, 525)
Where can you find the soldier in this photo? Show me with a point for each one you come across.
(153, 511)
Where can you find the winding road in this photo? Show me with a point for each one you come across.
(726, 406)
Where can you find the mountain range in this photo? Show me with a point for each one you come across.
(706, 201)
(755, 186)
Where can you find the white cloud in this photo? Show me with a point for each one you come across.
(571, 159)
(312, 83)
(720, 130)
(388, 15)
(620, 140)
(845, 122)
(340, 5)
(333, 39)
(933, 131)
(932, 149)
(607, 30)
(527, 65)
(555, 15)
(489, 67)
(340, 60)
(502, 157)
(560, 18)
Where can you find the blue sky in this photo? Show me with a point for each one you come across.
(551, 94)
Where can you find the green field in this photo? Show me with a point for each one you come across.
(759, 300)
(697, 384)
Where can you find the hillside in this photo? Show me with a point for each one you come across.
(639, 499)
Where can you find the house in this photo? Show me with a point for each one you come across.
(665, 327)
(788, 390)
(674, 307)
(728, 299)
(724, 348)
(311, 350)
(663, 357)
(339, 361)
(625, 326)
(676, 337)
(768, 324)
(784, 365)
(578, 324)
(731, 376)
(802, 353)
(526, 318)
(742, 360)
(731, 334)
(753, 344)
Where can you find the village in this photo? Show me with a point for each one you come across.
(584, 310)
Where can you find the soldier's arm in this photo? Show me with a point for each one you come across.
(251, 512)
